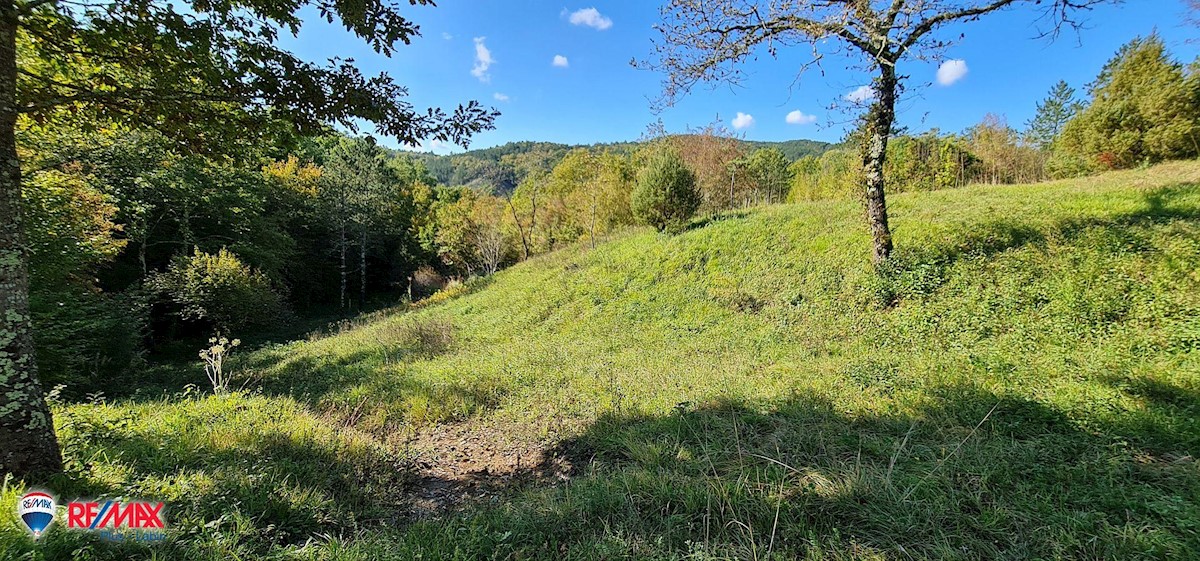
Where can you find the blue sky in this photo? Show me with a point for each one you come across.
(593, 94)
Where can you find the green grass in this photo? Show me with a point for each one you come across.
(1022, 382)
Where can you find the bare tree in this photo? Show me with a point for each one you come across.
(706, 40)
(708, 152)
(526, 239)
(489, 241)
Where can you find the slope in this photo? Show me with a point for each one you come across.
(1021, 382)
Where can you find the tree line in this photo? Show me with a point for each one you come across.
(1142, 108)
(135, 243)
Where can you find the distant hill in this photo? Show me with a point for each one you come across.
(500, 169)
(793, 149)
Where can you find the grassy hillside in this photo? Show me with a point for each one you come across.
(1024, 382)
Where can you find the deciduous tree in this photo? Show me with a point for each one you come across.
(708, 152)
(209, 75)
(706, 40)
(769, 168)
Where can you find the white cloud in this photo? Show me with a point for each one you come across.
(560, 61)
(742, 120)
(499, 96)
(436, 146)
(862, 94)
(590, 17)
(483, 61)
(951, 71)
(798, 117)
(447, 36)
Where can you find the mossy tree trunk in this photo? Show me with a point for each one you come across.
(878, 130)
(28, 447)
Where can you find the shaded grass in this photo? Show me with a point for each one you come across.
(1021, 382)
(241, 474)
(969, 475)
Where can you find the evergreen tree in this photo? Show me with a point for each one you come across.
(1145, 109)
(1052, 116)
(362, 194)
(666, 195)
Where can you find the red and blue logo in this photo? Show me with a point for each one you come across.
(111, 520)
(36, 509)
(115, 515)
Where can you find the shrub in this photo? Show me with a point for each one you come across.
(665, 196)
(453, 289)
(425, 281)
(219, 289)
(84, 338)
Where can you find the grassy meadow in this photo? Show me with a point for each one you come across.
(1022, 382)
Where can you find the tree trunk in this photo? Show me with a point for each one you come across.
(526, 241)
(28, 447)
(732, 174)
(342, 262)
(362, 270)
(874, 152)
(532, 221)
(520, 229)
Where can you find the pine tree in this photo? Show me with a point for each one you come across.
(1052, 116)
(1145, 108)
(666, 195)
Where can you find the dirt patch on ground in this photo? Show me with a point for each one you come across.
(466, 463)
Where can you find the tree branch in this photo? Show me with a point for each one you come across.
(930, 23)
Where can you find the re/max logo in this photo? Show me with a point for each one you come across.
(36, 502)
(114, 514)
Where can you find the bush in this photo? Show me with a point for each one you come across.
(421, 336)
(665, 195)
(219, 289)
(835, 174)
(425, 282)
(84, 338)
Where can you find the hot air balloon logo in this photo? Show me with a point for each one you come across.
(36, 510)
